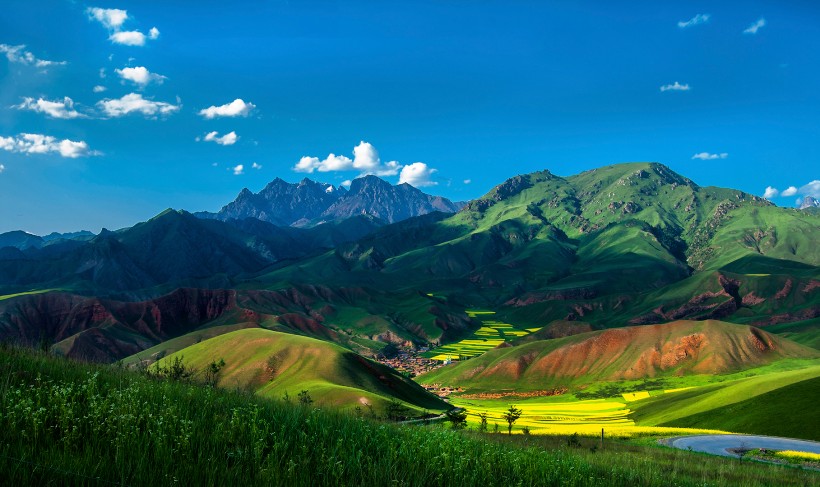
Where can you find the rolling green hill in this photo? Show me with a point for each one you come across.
(271, 364)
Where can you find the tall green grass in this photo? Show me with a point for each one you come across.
(65, 423)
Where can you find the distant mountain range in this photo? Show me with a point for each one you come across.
(309, 203)
(628, 244)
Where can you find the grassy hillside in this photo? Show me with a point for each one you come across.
(271, 364)
(631, 353)
(74, 424)
(788, 411)
(698, 402)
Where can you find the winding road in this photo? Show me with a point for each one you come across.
(721, 444)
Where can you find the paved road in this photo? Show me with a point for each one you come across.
(720, 444)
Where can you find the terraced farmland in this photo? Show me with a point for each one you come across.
(491, 334)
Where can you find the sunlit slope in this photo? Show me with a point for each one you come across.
(609, 246)
(673, 349)
(272, 364)
(790, 410)
(711, 406)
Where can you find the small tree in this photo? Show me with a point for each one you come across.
(457, 418)
(212, 372)
(511, 416)
(482, 425)
(305, 399)
(395, 410)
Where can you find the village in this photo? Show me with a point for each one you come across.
(409, 362)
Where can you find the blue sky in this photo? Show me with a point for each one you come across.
(453, 96)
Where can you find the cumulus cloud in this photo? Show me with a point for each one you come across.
(18, 54)
(113, 20)
(365, 160)
(238, 169)
(468, 181)
(45, 144)
(228, 139)
(697, 19)
(256, 166)
(110, 18)
(140, 76)
(236, 108)
(55, 109)
(705, 156)
(135, 103)
(330, 163)
(812, 189)
(128, 38)
(2, 168)
(98, 89)
(675, 87)
(756, 26)
(346, 183)
(417, 174)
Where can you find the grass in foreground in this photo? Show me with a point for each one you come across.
(70, 424)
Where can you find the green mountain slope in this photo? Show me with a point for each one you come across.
(272, 364)
(610, 246)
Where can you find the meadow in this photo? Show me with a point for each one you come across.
(68, 423)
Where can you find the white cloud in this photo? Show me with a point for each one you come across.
(705, 156)
(54, 109)
(346, 183)
(135, 103)
(468, 181)
(812, 189)
(128, 38)
(236, 108)
(110, 18)
(256, 166)
(366, 159)
(675, 87)
(140, 76)
(2, 168)
(228, 139)
(98, 89)
(153, 34)
(417, 174)
(790, 191)
(331, 163)
(697, 19)
(756, 26)
(770, 192)
(102, 73)
(44, 144)
(18, 54)
(238, 169)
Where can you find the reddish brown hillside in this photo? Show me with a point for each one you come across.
(677, 348)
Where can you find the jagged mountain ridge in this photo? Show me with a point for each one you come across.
(309, 202)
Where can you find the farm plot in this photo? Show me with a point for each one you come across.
(491, 334)
(546, 416)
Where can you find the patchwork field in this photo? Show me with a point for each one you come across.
(491, 334)
(559, 416)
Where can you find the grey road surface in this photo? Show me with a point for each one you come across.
(721, 444)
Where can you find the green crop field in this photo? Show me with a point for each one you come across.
(491, 334)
